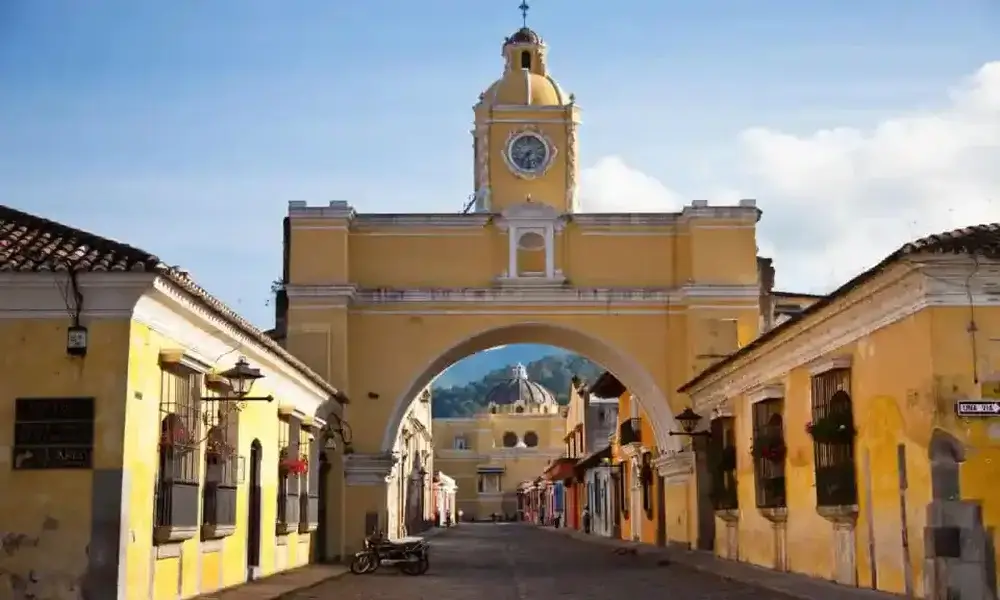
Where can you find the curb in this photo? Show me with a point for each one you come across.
(289, 593)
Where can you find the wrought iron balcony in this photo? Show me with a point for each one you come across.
(630, 432)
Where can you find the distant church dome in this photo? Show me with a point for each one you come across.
(520, 390)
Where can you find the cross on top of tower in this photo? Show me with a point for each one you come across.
(524, 8)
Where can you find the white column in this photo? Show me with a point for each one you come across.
(512, 250)
(550, 258)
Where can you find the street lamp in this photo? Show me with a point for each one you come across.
(240, 378)
(689, 420)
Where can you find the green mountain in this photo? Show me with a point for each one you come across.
(554, 372)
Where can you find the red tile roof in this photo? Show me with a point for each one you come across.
(29, 243)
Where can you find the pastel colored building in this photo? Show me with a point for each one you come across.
(156, 443)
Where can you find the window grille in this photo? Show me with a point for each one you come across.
(177, 481)
(722, 457)
(286, 460)
(222, 465)
(832, 429)
(769, 453)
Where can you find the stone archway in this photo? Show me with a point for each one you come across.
(651, 397)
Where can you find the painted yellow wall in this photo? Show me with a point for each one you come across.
(485, 435)
(197, 569)
(52, 509)
(906, 378)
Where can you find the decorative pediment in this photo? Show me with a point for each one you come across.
(530, 215)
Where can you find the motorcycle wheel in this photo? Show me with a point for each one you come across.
(363, 563)
(416, 568)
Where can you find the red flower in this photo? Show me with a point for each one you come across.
(295, 466)
(809, 428)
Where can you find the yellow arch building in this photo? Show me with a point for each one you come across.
(381, 303)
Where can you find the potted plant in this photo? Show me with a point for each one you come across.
(835, 428)
(770, 447)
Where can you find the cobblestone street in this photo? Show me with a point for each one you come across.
(517, 562)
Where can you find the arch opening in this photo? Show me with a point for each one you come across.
(626, 369)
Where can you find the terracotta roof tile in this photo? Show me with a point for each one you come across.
(981, 240)
(29, 243)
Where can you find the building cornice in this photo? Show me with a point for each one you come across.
(676, 467)
(562, 296)
(157, 303)
(898, 293)
(368, 469)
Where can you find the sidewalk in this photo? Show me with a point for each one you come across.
(792, 584)
(282, 584)
(279, 585)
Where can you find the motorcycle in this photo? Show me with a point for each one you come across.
(410, 555)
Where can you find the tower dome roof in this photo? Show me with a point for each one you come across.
(523, 35)
(523, 87)
(519, 389)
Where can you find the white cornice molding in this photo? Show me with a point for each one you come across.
(368, 223)
(207, 336)
(901, 291)
(829, 364)
(532, 295)
(766, 392)
(153, 301)
(368, 469)
(41, 295)
(675, 468)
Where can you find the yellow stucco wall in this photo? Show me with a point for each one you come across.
(484, 434)
(51, 509)
(200, 567)
(905, 380)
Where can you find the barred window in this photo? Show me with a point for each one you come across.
(769, 452)
(722, 458)
(622, 491)
(222, 467)
(832, 430)
(646, 478)
(178, 474)
(285, 466)
(310, 482)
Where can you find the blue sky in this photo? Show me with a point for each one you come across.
(185, 127)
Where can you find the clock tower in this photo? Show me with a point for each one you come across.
(525, 144)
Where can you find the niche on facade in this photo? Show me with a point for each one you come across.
(509, 439)
(460, 443)
(531, 439)
(531, 229)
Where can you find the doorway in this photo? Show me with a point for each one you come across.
(322, 532)
(661, 511)
(253, 509)
(706, 510)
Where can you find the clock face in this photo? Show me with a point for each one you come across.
(528, 153)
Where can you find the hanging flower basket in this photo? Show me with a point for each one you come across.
(835, 428)
(294, 466)
(769, 448)
(726, 460)
(219, 448)
(174, 434)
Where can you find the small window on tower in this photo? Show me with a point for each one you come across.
(526, 60)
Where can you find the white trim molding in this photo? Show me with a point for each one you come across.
(676, 467)
(829, 364)
(201, 334)
(766, 392)
(369, 469)
(901, 290)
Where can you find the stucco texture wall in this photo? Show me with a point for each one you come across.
(199, 567)
(46, 515)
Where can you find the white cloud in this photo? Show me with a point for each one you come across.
(838, 200)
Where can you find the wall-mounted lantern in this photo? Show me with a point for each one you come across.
(689, 420)
(241, 378)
